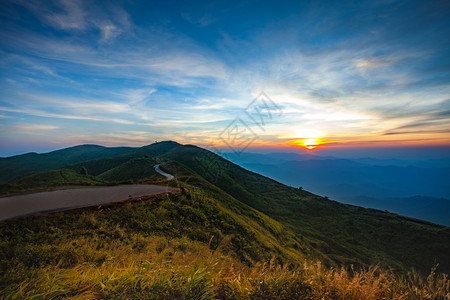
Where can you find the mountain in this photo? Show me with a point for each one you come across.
(355, 181)
(436, 210)
(21, 165)
(97, 157)
(219, 216)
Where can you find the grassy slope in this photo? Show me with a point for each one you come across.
(49, 179)
(132, 170)
(345, 234)
(67, 239)
(186, 246)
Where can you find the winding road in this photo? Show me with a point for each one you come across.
(168, 176)
(35, 203)
(23, 205)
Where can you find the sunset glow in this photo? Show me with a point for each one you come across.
(307, 143)
(311, 144)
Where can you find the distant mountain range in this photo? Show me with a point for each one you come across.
(418, 189)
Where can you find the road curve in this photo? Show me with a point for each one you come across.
(168, 176)
(22, 205)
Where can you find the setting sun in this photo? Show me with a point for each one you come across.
(307, 143)
(308, 138)
(310, 144)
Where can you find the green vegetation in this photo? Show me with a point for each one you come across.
(131, 170)
(49, 180)
(26, 164)
(167, 248)
(225, 233)
(83, 171)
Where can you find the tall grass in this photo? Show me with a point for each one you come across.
(182, 269)
(180, 249)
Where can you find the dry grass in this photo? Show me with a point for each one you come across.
(183, 269)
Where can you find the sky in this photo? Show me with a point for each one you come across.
(235, 74)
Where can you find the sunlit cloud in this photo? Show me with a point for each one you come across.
(27, 128)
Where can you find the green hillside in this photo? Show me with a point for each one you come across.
(185, 246)
(21, 165)
(49, 179)
(132, 170)
(220, 215)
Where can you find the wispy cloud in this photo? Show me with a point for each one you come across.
(41, 113)
(28, 128)
(71, 17)
(81, 16)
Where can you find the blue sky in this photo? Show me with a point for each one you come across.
(132, 72)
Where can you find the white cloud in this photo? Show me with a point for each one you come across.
(75, 105)
(186, 64)
(109, 32)
(27, 128)
(46, 114)
(31, 127)
(72, 18)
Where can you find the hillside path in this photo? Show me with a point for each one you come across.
(168, 176)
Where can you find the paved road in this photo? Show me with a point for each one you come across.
(21, 205)
(168, 176)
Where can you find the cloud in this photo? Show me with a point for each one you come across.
(34, 127)
(60, 14)
(109, 32)
(76, 105)
(175, 66)
(73, 16)
(136, 96)
(26, 128)
(46, 114)
(187, 64)
(82, 17)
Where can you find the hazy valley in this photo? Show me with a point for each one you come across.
(413, 188)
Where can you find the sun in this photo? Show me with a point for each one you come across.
(308, 143)
(311, 144)
(308, 139)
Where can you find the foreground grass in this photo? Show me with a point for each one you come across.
(174, 248)
(195, 273)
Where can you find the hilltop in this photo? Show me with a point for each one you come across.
(221, 215)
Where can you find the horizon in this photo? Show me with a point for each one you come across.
(399, 152)
(319, 76)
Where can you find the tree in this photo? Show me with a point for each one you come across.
(83, 171)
